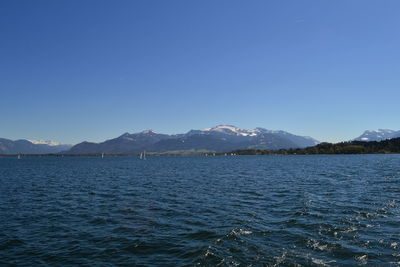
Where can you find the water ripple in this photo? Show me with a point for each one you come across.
(196, 211)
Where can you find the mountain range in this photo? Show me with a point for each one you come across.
(220, 138)
(379, 135)
(31, 147)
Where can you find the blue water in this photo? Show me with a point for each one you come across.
(203, 211)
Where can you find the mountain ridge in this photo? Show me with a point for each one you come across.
(377, 135)
(29, 146)
(218, 139)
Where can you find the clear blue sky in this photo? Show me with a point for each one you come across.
(91, 70)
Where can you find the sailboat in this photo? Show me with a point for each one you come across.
(19, 157)
(143, 155)
(102, 155)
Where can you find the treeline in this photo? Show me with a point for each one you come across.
(353, 147)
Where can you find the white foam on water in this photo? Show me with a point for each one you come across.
(239, 231)
(280, 260)
(362, 259)
(316, 245)
(321, 262)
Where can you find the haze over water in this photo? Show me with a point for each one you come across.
(179, 211)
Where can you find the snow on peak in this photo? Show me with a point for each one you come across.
(379, 131)
(232, 130)
(147, 132)
(386, 131)
(378, 135)
(42, 142)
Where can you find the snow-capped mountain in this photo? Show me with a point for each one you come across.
(231, 130)
(259, 135)
(31, 147)
(379, 135)
(220, 138)
(42, 142)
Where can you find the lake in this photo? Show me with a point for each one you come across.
(200, 211)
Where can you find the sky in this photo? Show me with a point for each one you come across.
(91, 70)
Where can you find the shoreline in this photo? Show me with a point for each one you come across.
(183, 155)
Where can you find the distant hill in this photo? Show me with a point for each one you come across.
(379, 135)
(353, 147)
(221, 138)
(30, 147)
